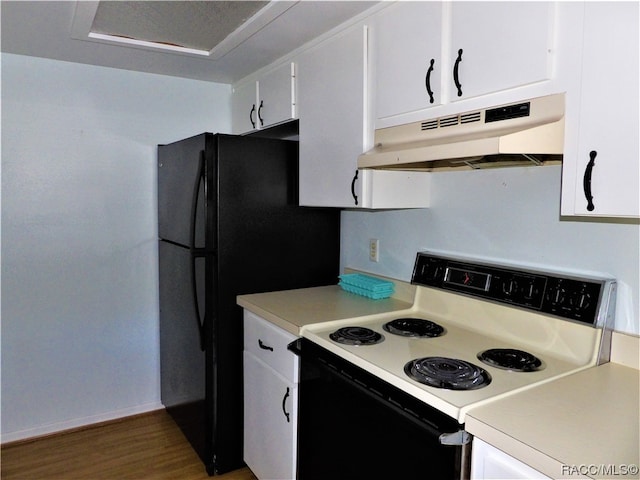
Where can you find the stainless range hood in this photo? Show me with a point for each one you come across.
(530, 132)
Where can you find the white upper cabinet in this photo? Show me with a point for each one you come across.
(407, 41)
(276, 96)
(333, 86)
(266, 101)
(601, 165)
(499, 45)
(243, 107)
(331, 101)
(429, 54)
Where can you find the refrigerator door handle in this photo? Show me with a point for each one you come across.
(195, 253)
(194, 287)
(194, 200)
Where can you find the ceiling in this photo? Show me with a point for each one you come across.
(217, 41)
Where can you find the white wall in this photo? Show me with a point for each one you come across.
(509, 215)
(79, 249)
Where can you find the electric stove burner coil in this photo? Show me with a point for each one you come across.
(448, 373)
(356, 336)
(511, 359)
(413, 327)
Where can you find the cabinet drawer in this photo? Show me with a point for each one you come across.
(269, 343)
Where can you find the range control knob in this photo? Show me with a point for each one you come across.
(557, 295)
(437, 272)
(581, 299)
(510, 287)
(530, 290)
(431, 272)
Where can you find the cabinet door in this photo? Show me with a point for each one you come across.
(332, 89)
(407, 39)
(243, 107)
(499, 45)
(487, 462)
(276, 96)
(270, 419)
(608, 116)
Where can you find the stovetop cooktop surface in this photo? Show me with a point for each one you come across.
(558, 319)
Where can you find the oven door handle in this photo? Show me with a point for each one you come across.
(461, 437)
(295, 347)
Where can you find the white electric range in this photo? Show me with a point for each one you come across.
(386, 395)
(545, 323)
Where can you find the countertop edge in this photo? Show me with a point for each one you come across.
(269, 316)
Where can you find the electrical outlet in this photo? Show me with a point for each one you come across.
(374, 250)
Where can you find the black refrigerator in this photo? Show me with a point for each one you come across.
(229, 224)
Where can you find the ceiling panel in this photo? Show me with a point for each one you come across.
(60, 30)
(199, 25)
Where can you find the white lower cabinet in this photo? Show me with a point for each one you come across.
(270, 400)
(488, 462)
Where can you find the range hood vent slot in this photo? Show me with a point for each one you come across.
(470, 117)
(451, 121)
(430, 125)
(529, 132)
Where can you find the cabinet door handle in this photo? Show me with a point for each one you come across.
(284, 401)
(353, 188)
(586, 181)
(263, 346)
(455, 73)
(253, 109)
(260, 113)
(427, 80)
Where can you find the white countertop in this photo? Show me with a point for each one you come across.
(579, 426)
(293, 309)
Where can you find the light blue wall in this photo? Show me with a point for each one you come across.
(506, 215)
(79, 249)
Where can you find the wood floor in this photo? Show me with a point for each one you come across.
(148, 446)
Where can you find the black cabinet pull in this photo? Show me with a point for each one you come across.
(264, 347)
(455, 73)
(260, 113)
(586, 181)
(284, 410)
(253, 109)
(427, 80)
(353, 188)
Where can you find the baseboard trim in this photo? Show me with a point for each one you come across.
(76, 423)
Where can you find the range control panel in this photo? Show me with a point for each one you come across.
(573, 298)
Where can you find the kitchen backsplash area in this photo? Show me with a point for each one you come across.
(506, 215)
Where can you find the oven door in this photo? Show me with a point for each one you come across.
(354, 425)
